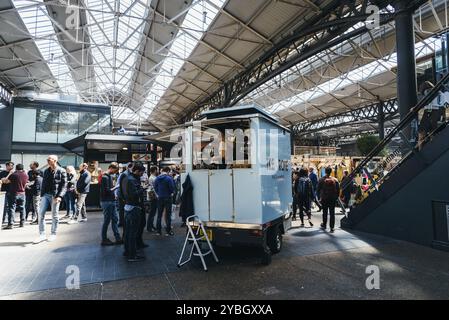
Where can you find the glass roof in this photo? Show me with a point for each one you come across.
(115, 40)
(196, 22)
(39, 25)
(357, 75)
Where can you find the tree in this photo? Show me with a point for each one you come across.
(366, 144)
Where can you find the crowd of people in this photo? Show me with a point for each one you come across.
(126, 198)
(324, 193)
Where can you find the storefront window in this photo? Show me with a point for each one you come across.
(47, 126)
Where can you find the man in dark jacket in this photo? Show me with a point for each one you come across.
(16, 195)
(328, 190)
(133, 195)
(304, 193)
(164, 186)
(82, 190)
(54, 186)
(107, 200)
(186, 209)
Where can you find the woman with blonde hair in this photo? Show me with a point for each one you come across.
(69, 197)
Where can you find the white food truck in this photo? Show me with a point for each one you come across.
(238, 160)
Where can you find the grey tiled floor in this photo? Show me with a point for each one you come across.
(330, 260)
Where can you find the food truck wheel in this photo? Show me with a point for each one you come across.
(275, 239)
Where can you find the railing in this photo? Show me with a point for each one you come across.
(407, 138)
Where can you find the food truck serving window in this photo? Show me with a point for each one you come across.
(222, 146)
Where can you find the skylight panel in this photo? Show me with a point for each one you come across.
(195, 24)
(360, 74)
(40, 26)
(114, 53)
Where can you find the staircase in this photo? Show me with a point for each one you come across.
(407, 202)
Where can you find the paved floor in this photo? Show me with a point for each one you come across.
(313, 265)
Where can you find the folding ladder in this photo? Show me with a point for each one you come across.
(195, 237)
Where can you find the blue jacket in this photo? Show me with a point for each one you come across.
(83, 183)
(164, 186)
(314, 179)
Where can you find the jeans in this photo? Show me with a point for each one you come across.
(164, 203)
(132, 219)
(121, 212)
(142, 223)
(329, 208)
(5, 210)
(81, 206)
(36, 205)
(69, 199)
(110, 216)
(152, 214)
(15, 200)
(47, 200)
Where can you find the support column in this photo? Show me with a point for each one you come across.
(406, 78)
(381, 120)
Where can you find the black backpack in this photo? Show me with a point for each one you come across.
(304, 188)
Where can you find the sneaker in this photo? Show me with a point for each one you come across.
(332, 230)
(107, 242)
(169, 233)
(83, 220)
(310, 222)
(118, 242)
(41, 238)
(34, 222)
(67, 216)
(8, 227)
(52, 238)
(159, 233)
(302, 224)
(136, 259)
(72, 221)
(323, 226)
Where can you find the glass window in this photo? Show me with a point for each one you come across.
(47, 126)
(104, 123)
(21, 132)
(88, 122)
(68, 126)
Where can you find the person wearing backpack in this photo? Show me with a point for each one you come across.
(295, 179)
(305, 196)
(328, 191)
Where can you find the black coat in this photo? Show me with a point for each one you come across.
(186, 208)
